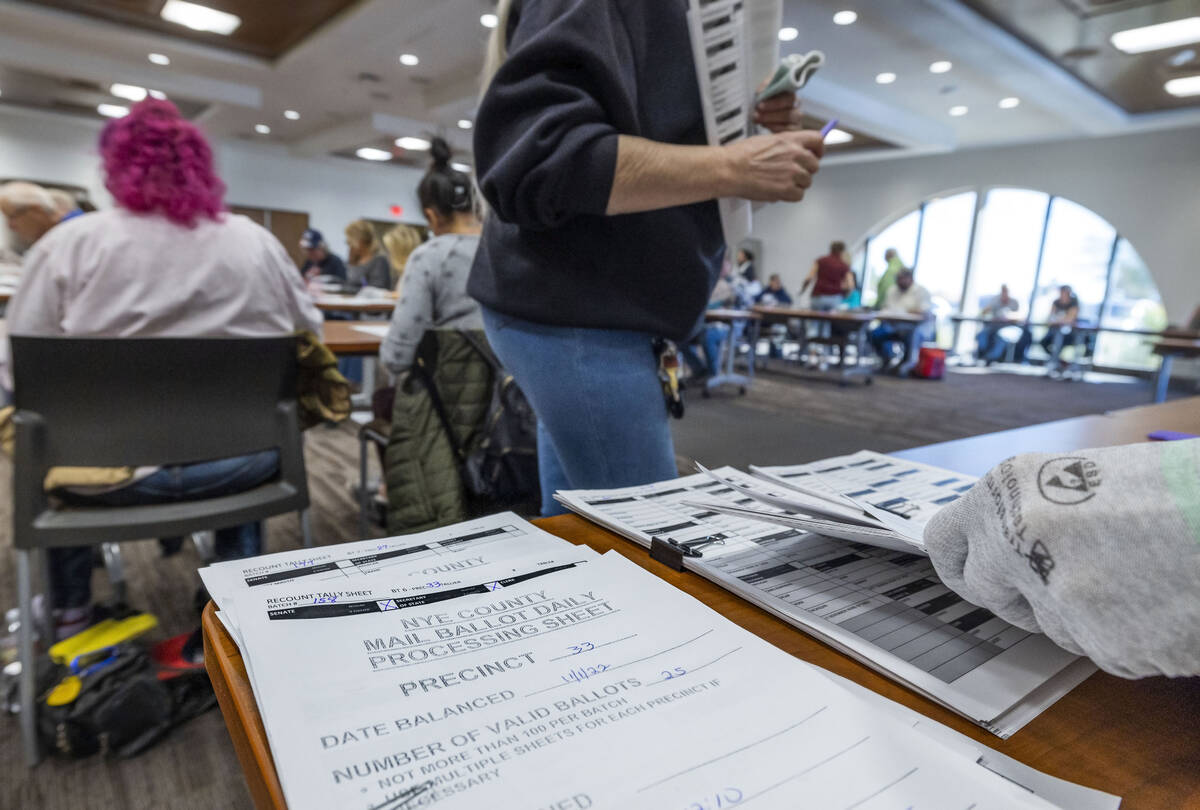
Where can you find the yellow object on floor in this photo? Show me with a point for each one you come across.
(107, 633)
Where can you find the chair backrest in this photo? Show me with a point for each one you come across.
(108, 402)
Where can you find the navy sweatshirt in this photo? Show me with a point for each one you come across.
(579, 74)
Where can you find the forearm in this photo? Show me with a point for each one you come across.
(651, 175)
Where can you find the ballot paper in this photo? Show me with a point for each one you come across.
(585, 684)
(717, 29)
(886, 608)
(378, 330)
(789, 507)
(902, 495)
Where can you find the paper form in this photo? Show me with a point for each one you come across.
(378, 330)
(902, 495)
(589, 685)
(1052, 789)
(888, 609)
(717, 30)
(427, 556)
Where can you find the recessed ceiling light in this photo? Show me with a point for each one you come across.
(158, 94)
(1009, 103)
(413, 144)
(837, 136)
(370, 153)
(262, 129)
(489, 20)
(112, 110)
(1156, 37)
(159, 58)
(788, 34)
(941, 67)
(291, 115)
(958, 111)
(409, 59)
(127, 91)
(465, 123)
(885, 78)
(200, 18)
(845, 18)
(1184, 86)
(460, 167)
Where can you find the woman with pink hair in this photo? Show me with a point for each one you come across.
(168, 261)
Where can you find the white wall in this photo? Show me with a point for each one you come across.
(333, 191)
(1147, 186)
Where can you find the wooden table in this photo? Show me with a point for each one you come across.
(1168, 349)
(978, 454)
(1137, 739)
(350, 303)
(343, 339)
(855, 324)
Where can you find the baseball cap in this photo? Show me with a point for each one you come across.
(312, 238)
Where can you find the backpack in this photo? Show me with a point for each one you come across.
(499, 463)
(118, 706)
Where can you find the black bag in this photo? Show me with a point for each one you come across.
(122, 708)
(499, 462)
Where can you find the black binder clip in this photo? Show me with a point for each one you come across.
(671, 552)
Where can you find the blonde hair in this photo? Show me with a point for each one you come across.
(400, 242)
(363, 233)
(497, 49)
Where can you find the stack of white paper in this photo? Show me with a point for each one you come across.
(880, 603)
(451, 670)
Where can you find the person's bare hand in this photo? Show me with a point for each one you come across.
(774, 168)
(780, 113)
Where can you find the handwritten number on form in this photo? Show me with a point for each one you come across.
(586, 646)
(668, 674)
(726, 798)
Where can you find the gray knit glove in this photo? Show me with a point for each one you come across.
(1099, 550)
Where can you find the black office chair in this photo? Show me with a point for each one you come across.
(109, 402)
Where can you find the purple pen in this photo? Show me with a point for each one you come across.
(825, 130)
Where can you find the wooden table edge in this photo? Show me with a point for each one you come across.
(253, 751)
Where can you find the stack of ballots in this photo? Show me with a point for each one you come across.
(490, 664)
(835, 548)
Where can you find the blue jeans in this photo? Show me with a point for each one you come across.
(71, 568)
(602, 422)
(887, 337)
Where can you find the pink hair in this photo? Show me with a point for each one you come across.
(157, 162)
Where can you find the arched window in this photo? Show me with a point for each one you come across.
(964, 245)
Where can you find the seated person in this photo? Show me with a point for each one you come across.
(1064, 314)
(712, 335)
(368, 265)
(168, 261)
(774, 295)
(29, 211)
(990, 346)
(433, 293)
(400, 242)
(320, 261)
(1103, 556)
(891, 340)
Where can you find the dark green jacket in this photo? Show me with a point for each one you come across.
(424, 489)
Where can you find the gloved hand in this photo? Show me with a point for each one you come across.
(1099, 550)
